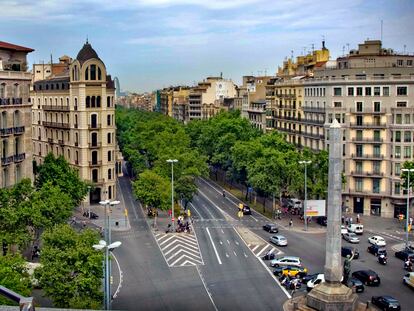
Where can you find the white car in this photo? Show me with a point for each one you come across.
(286, 261)
(279, 240)
(350, 237)
(377, 240)
(344, 230)
(320, 278)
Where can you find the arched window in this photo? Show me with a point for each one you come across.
(94, 121)
(109, 156)
(95, 175)
(16, 118)
(108, 136)
(93, 72)
(108, 120)
(76, 156)
(68, 154)
(76, 120)
(110, 192)
(108, 101)
(76, 103)
(94, 157)
(76, 139)
(93, 102)
(98, 101)
(3, 90)
(109, 174)
(99, 73)
(4, 119)
(94, 139)
(87, 73)
(16, 90)
(67, 118)
(88, 101)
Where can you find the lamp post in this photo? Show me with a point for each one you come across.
(409, 171)
(107, 226)
(172, 161)
(108, 248)
(305, 204)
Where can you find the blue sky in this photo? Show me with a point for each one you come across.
(151, 44)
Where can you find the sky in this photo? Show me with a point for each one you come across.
(151, 44)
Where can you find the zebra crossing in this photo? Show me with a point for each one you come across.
(262, 248)
(179, 249)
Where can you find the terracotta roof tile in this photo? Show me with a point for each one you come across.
(13, 47)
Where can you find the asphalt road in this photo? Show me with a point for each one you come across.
(310, 247)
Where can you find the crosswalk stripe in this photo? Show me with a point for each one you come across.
(189, 254)
(165, 241)
(179, 245)
(254, 248)
(262, 250)
(172, 264)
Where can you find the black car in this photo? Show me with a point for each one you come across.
(404, 254)
(322, 220)
(386, 303)
(347, 250)
(90, 215)
(377, 250)
(246, 210)
(271, 228)
(357, 284)
(368, 277)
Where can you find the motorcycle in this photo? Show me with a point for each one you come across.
(408, 267)
(268, 256)
(382, 260)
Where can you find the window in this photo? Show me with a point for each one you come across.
(377, 107)
(399, 62)
(109, 156)
(377, 91)
(359, 150)
(337, 91)
(359, 184)
(377, 150)
(87, 74)
(407, 119)
(367, 91)
(359, 91)
(398, 136)
(401, 104)
(108, 136)
(376, 167)
(407, 137)
(337, 104)
(88, 101)
(407, 152)
(93, 72)
(358, 134)
(397, 154)
(109, 174)
(108, 101)
(99, 74)
(376, 185)
(385, 91)
(397, 187)
(359, 106)
(350, 91)
(108, 120)
(397, 169)
(401, 91)
(398, 118)
(358, 167)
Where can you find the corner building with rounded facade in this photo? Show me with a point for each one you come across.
(73, 115)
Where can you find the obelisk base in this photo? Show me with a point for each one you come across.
(332, 297)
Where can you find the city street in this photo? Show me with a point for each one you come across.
(310, 247)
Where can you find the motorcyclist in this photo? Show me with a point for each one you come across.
(408, 264)
(382, 259)
(224, 193)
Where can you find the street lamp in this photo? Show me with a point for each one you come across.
(172, 161)
(305, 204)
(107, 226)
(408, 170)
(108, 248)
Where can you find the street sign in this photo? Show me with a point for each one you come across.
(240, 206)
(240, 214)
(126, 213)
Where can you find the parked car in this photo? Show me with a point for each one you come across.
(377, 240)
(386, 303)
(408, 279)
(291, 271)
(347, 250)
(344, 230)
(356, 228)
(351, 237)
(295, 203)
(368, 277)
(377, 250)
(286, 261)
(322, 220)
(309, 277)
(271, 228)
(279, 240)
(405, 254)
(356, 284)
(320, 278)
(246, 210)
(90, 215)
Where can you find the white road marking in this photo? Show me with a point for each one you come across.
(201, 217)
(221, 243)
(183, 251)
(244, 254)
(121, 277)
(234, 253)
(237, 243)
(180, 258)
(180, 245)
(166, 240)
(205, 287)
(254, 248)
(262, 250)
(227, 255)
(228, 242)
(185, 263)
(214, 246)
(222, 231)
(253, 217)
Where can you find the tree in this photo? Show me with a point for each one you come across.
(59, 173)
(153, 190)
(404, 175)
(71, 272)
(185, 189)
(14, 276)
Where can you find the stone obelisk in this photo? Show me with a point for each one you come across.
(332, 295)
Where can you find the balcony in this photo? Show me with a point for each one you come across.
(99, 181)
(368, 125)
(6, 160)
(56, 108)
(93, 126)
(309, 121)
(367, 140)
(95, 145)
(367, 174)
(6, 131)
(18, 130)
(95, 163)
(76, 144)
(368, 156)
(19, 157)
(50, 140)
(60, 125)
(15, 101)
(313, 109)
(61, 142)
(356, 111)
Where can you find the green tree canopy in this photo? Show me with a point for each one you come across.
(153, 190)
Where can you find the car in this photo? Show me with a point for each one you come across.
(322, 220)
(386, 303)
(286, 261)
(356, 284)
(308, 277)
(271, 228)
(279, 240)
(320, 278)
(91, 215)
(377, 240)
(350, 237)
(368, 277)
(408, 279)
(347, 250)
(355, 228)
(291, 271)
(295, 203)
(344, 230)
(377, 250)
(246, 210)
(405, 254)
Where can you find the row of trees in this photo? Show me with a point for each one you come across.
(71, 270)
(147, 141)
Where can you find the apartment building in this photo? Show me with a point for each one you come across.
(15, 121)
(73, 115)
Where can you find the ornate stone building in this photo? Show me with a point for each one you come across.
(74, 115)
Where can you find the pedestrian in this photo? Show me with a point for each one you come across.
(290, 223)
(411, 221)
(343, 219)
(84, 224)
(357, 218)
(350, 220)
(347, 221)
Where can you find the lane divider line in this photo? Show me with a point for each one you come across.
(214, 246)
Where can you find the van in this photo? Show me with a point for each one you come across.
(295, 203)
(408, 279)
(356, 228)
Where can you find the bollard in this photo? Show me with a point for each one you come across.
(367, 307)
(117, 223)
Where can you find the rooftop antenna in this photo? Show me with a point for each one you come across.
(343, 50)
(87, 42)
(304, 51)
(405, 46)
(381, 28)
(51, 59)
(291, 54)
(265, 72)
(323, 42)
(313, 47)
(347, 45)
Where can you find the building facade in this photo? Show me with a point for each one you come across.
(73, 115)
(15, 121)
